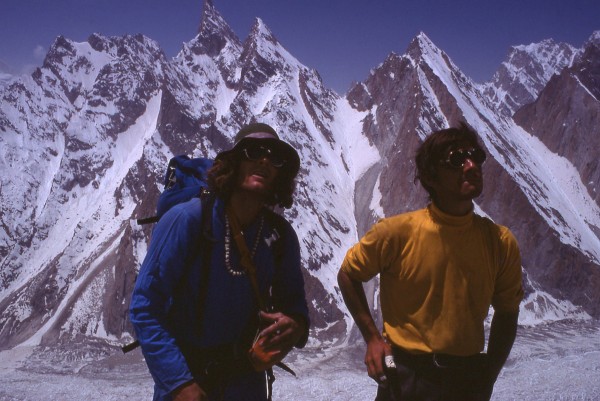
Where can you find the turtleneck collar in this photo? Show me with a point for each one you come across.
(449, 220)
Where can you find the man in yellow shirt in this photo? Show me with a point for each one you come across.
(440, 268)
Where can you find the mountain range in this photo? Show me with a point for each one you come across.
(85, 139)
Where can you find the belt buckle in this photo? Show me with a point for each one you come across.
(437, 364)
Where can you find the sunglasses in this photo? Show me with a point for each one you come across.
(457, 158)
(259, 152)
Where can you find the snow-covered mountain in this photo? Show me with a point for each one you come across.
(526, 72)
(85, 139)
(566, 115)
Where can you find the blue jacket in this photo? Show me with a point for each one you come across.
(165, 303)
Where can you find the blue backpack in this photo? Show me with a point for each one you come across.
(185, 179)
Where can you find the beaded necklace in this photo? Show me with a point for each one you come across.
(239, 271)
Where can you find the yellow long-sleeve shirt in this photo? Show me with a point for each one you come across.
(439, 274)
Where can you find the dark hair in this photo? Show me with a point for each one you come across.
(223, 175)
(435, 148)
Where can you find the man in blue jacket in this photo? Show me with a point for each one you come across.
(194, 308)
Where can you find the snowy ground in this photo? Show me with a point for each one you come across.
(559, 361)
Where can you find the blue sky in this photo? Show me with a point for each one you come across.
(342, 39)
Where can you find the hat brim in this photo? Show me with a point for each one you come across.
(289, 154)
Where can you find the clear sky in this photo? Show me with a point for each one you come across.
(342, 39)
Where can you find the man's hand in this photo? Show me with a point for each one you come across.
(377, 350)
(189, 392)
(282, 332)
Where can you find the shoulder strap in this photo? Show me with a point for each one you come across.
(245, 255)
(207, 200)
(248, 264)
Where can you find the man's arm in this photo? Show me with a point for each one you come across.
(356, 301)
(503, 331)
(161, 271)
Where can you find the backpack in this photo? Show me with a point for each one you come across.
(185, 179)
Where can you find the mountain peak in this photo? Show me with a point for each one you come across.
(423, 38)
(263, 43)
(593, 41)
(421, 46)
(422, 51)
(261, 30)
(526, 71)
(214, 33)
(209, 13)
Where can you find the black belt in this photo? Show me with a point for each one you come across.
(438, 376)
(438, 360)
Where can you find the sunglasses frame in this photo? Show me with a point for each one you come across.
(476, 155)
(265, 152)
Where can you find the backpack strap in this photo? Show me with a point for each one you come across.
(207, 199)
(250, 268)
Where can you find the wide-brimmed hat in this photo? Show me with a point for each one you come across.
(263, 133)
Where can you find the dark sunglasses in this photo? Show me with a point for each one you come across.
(457, 158)
(259, 152)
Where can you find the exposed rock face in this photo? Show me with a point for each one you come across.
(566, 116)
(85, 139)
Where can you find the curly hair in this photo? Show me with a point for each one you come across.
(435, 148)
(223, 175)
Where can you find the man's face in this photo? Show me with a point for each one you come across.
(258, 171)
(459, 175)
